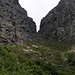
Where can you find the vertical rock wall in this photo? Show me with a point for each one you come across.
(60, 22)
(15, 25)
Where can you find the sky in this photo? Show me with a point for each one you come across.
(37, 9)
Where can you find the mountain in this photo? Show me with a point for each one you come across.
(25, 52)
(15, 25)
(59, 23)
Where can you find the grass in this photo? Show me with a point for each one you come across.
(41, 54)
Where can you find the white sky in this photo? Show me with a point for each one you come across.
(37, 9)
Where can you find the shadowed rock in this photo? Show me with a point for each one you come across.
(15, 25)
(60, 22)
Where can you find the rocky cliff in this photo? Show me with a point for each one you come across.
(60, 22)
(15, 25)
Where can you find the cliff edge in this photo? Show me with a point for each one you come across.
(15, 25)
(60, 22)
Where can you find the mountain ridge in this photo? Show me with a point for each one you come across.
(15, 25)
(59, 22)
(23, 51)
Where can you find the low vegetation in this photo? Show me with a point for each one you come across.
(38, 57)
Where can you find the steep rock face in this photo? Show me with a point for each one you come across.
(15, 25)
(60, 21)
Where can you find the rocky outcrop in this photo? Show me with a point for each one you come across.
(60, 22)
(15, 25)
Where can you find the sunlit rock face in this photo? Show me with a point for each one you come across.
(15, 25)
(60, 22)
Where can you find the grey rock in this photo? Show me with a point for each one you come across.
(60, 22)
(15, 25)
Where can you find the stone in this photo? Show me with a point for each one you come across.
(15, 25)
(59, 23)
